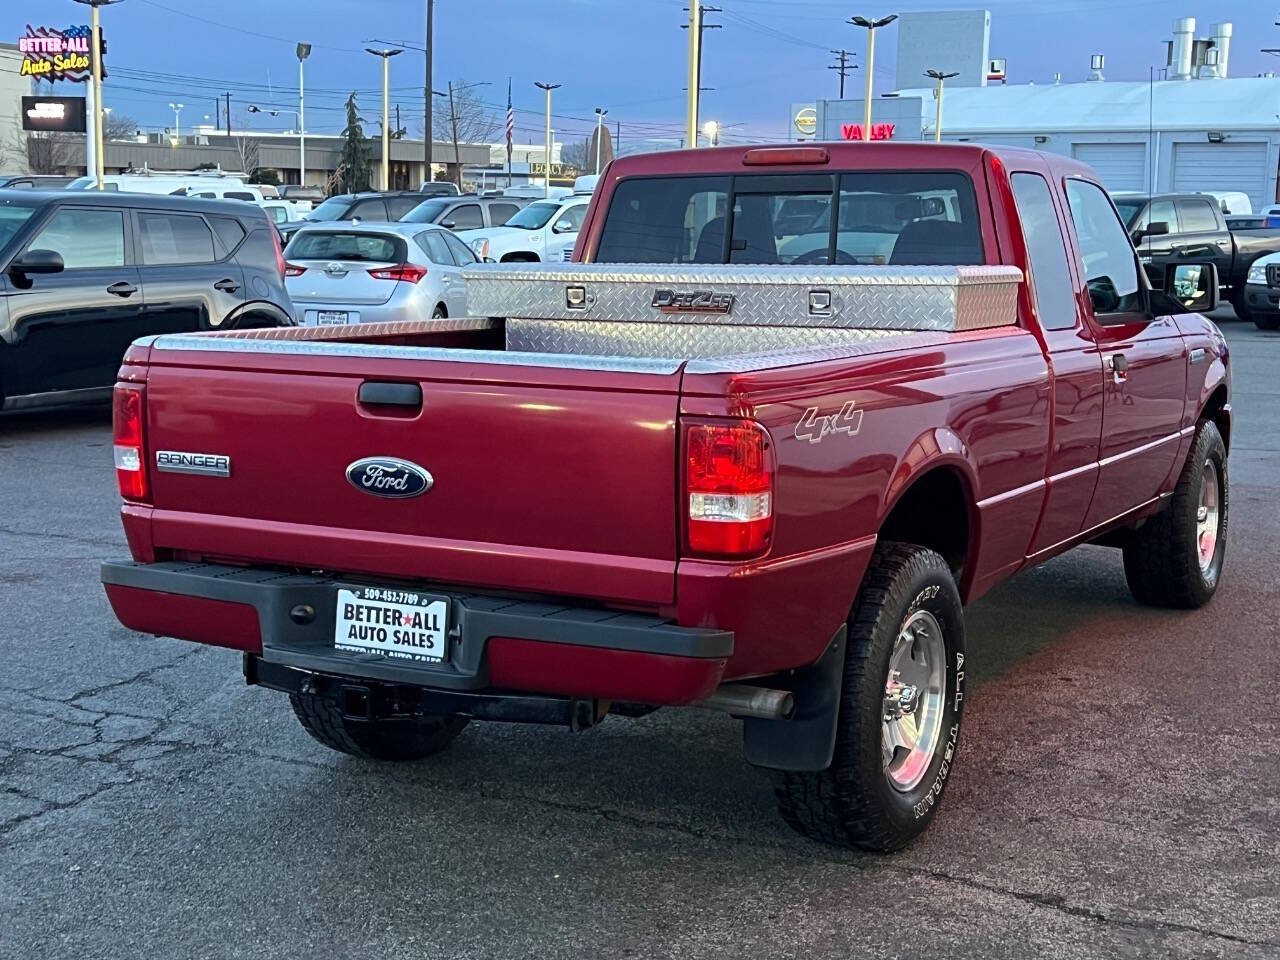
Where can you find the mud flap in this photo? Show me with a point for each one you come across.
(806, 741)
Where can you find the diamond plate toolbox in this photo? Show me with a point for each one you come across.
(943, 299)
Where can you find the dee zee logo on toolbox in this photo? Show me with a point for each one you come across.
(700, 301)
(389, 477)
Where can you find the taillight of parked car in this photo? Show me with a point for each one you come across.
(403, 271)
(275, 240)
(128, 416)
(728, 474)
(293, 270)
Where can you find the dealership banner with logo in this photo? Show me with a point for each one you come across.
(60, 114)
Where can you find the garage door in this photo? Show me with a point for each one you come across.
(1122, 166)
(1222, 166)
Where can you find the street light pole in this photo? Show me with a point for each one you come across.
(177, 135)
(304, 51)
(457, 158)
(941, 78)
(96, 47)
(871, 27)
(601, 113)
(548, 87)
(427, 132)
(386, 56)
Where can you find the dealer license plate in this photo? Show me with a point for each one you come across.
(396, 623)
(330, 318)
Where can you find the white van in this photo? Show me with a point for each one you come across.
(178, 184)
(221, 190)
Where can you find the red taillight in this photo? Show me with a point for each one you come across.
(403, 271)
(275, 240)
(293, 270)
(729, 489)
(128, 413)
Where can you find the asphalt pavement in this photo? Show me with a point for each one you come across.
(1115, 795)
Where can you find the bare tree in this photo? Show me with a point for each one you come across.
(13, 151)
(54, 152)
(119, 126)
(580, 155)
(477, 121)
(247, 150)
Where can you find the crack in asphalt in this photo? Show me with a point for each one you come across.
(1060, 904)
(69, 537)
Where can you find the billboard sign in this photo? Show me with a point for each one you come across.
(61, 114)
(51, 54)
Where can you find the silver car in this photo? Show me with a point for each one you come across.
(369, 273)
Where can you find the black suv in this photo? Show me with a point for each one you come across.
(83, 274)
(467, 212)
(369, 207)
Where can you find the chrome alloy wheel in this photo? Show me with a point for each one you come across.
(914, 696)
(1208, 516)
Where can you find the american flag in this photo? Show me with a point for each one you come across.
(511, 118)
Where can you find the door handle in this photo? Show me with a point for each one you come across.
(389, 394)
(122, 289)
(1119, 367)
(227, 285)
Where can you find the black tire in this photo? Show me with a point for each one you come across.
(853, 802)
(439, 313)
(398, 739)
(1241, 308)
(1162, 557)
(1267, 321)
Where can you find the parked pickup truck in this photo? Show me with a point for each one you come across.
(690, 470)
(1171, 228)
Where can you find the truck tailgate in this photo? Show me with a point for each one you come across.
(546, 479)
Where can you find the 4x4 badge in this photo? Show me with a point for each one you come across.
(813, 427)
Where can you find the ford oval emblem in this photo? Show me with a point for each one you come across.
(389, 477)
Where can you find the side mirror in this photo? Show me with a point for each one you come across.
(1193, 285)
(563, 226)
(38, 261)
(1158, 229)
(448, 224)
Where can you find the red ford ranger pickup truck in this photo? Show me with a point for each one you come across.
(786, 413)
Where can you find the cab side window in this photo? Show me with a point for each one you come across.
(1110, 266)
(1050, 279)
(574, 216)
(84, 238)
(1159, 211)
(1197, 216)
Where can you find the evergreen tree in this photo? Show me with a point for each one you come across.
(353, 165)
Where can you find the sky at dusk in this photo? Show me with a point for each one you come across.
(626, 55)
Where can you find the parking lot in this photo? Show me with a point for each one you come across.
(1116, 793)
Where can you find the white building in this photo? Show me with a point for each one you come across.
(13, 87)
(1197, 130)
(1171, 135)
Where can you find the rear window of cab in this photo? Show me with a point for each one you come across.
(918, 217)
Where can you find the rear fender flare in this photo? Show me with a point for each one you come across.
(938, 447)
(260, 307)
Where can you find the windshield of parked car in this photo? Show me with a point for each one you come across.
(427, 211)
(344, 245)
(12, 217)
(1129, 209)
(534, 216)
(331, 209)
(918, 218)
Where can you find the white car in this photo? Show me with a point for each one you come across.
(539, 232)
(338, 273)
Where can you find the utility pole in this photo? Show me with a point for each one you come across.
(386, 54)
(457, 159)
(228, 96)
(427, 132)
(871, 27)
(843, 67)
(696, 26)
(548, 87)
(941, 78)
(617, 136)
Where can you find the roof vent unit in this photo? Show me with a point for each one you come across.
(1221, 33)
(1096, 63)
(1184, 30)
(1209, 69)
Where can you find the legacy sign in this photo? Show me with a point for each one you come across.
(49, 54)
(61, 114)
